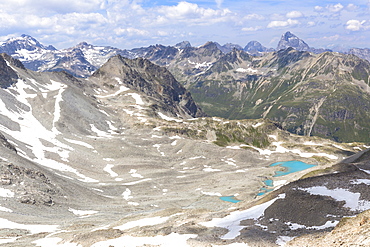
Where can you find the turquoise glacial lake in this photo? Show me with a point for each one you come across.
(229, 199)
(291, 167)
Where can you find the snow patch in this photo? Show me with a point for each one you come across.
(82, 212)
(127, 194)
(142, 222)
(108, 168)
(352, 200)
(6, 193)
(121, 90)
(134, 174)
(137, 98)
(248, 70)
(169, 118)
(232, 221)
(211, 193)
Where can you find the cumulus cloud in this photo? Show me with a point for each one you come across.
(319, 9)
(254, 17)
(289, 22)
(130, 31)
(294, 14)
(355, 25)
(335, 8)
(352, 7)
(185, 10)
(50, 6)
(311, 23)
(251, 29)
(192, 14)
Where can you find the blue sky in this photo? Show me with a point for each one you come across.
(129, 24)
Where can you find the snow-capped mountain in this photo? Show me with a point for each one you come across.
(29, 51)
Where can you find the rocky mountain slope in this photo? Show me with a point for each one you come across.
(152, 80)
(101, 162)
(308, 94)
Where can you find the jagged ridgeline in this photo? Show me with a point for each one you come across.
(323, 94)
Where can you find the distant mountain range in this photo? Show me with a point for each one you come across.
(83, 59)
(308, 91)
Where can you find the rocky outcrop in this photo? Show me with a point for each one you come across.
(7, 75)
(32, 186)
(5, 143)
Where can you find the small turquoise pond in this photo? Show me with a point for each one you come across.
(264, 191)
(229, 199)
(292, 166)
(269, 182)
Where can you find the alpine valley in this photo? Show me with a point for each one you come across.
(184, 146)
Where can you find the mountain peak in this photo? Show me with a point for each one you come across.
(156, 82)
(183, 45)
(254, 46)
(25, 42)
(288, 39)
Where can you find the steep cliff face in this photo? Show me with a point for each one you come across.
(154, 81)
(7, 75)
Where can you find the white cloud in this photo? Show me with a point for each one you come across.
(192, 14)
(251, 29)
(355, 25)
(254, 17)
(286, 23)
(219, 3)
(50, 6)
(130, 31)
(294, 14)
(335, 8)
(185, 10)
(352, 7)
(311, 23)
(319, 9)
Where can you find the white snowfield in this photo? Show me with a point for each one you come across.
(32, 130)
(352, 200)
(232, 221)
